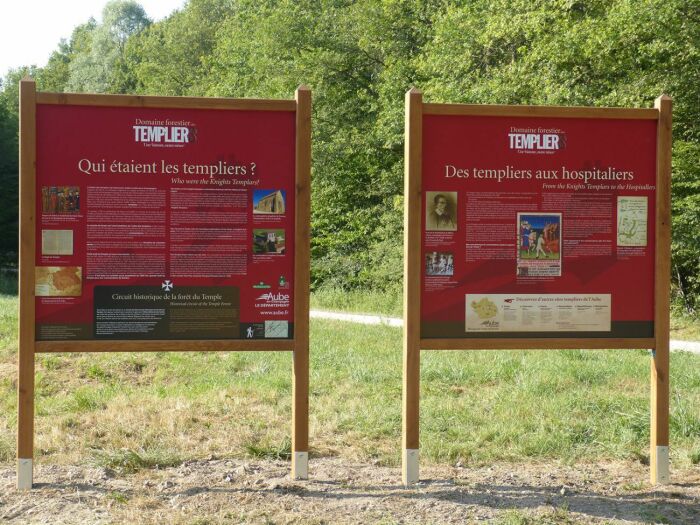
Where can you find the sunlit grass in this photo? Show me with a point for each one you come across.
(138, 410)
(386, 303)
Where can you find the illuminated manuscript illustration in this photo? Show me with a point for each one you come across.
(539, 244)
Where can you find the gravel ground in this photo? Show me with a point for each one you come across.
(229, 491)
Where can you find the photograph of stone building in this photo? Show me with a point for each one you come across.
(271, 242)
(269, 202)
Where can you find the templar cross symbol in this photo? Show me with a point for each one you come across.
(167, 285)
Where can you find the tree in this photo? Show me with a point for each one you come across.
(685, 246)
(9, 162)
(100, 70)
(585, 53)
(171, 57)
(56, 74)
(357, 57)
(361, 56)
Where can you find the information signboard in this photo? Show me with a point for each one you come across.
(152, 223)
(536, 227)
(164, 223)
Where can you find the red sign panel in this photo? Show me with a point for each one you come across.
(164, 223)
(537, 227)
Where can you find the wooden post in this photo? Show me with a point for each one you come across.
(659, 458)
(300, 381)
(411, 284)
(27, 212)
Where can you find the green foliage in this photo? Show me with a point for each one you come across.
(359, 57)
(171, 57)
(686, 224)
(8, 180)
(584, 53)
(56, 74)
(9, 164)
(102, 68)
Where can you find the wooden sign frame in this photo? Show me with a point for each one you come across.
(413, 343)
(29, 346)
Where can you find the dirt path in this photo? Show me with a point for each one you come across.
(676, 345)
(223, 491)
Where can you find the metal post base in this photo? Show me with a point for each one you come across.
(25, 474)
(661, 464)
(300, 465)
(410, 466)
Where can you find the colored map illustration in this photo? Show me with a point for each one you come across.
(485, 308)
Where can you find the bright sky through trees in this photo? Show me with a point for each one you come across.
(30, 30)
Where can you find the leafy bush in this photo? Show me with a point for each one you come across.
(360, 58)
(685, 246)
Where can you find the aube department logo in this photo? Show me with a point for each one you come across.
(272, 300)
(166, 133)
(536, 140)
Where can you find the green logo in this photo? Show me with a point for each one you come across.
(261, 285)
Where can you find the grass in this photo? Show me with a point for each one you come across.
(129, 411)
(282, 450)
(117, 497)
(557, 516)
(685, 328)
(129, 461)
(387, 303)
